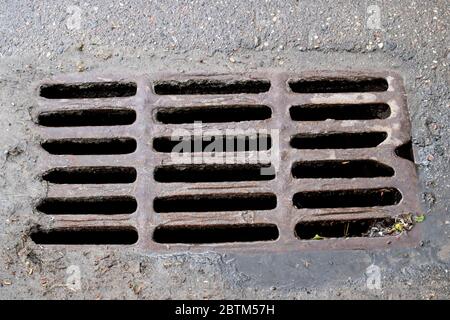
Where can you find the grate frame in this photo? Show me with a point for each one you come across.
(279, 98)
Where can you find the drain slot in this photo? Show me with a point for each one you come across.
(211, 114)
(90, 146)
(215, 202)
(216, 233)
(347, 198)
(93, 236)
(337, 85)
(205, 86)
(241, 143)
(80, 118)
(405, 151)
(341, 169)
(88, 90)
(320, 112)
(338, 140)
(339, 229)
(92, 175)
(92, 205)
(213, 173)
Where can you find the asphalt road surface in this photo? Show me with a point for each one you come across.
(39, 39)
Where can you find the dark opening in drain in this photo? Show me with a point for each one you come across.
(209, 114)
(215, 202)
(90, 146)
(319, 112)
(95, 175)
(342, 140)
(347, 198)
(208, 86)
(341, 169)
(216, 233)
(405, 151)
(92, 236)
(259, 142)
(336, 85)
(79, 118)
(307, 230)
(88, 90)
(213, 173)
(89, 205)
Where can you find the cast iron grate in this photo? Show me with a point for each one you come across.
(334, 148)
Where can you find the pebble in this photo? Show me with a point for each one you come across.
(81, 67)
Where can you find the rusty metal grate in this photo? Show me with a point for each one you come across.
(343, 141)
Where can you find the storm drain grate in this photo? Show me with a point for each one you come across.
(267, 161)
